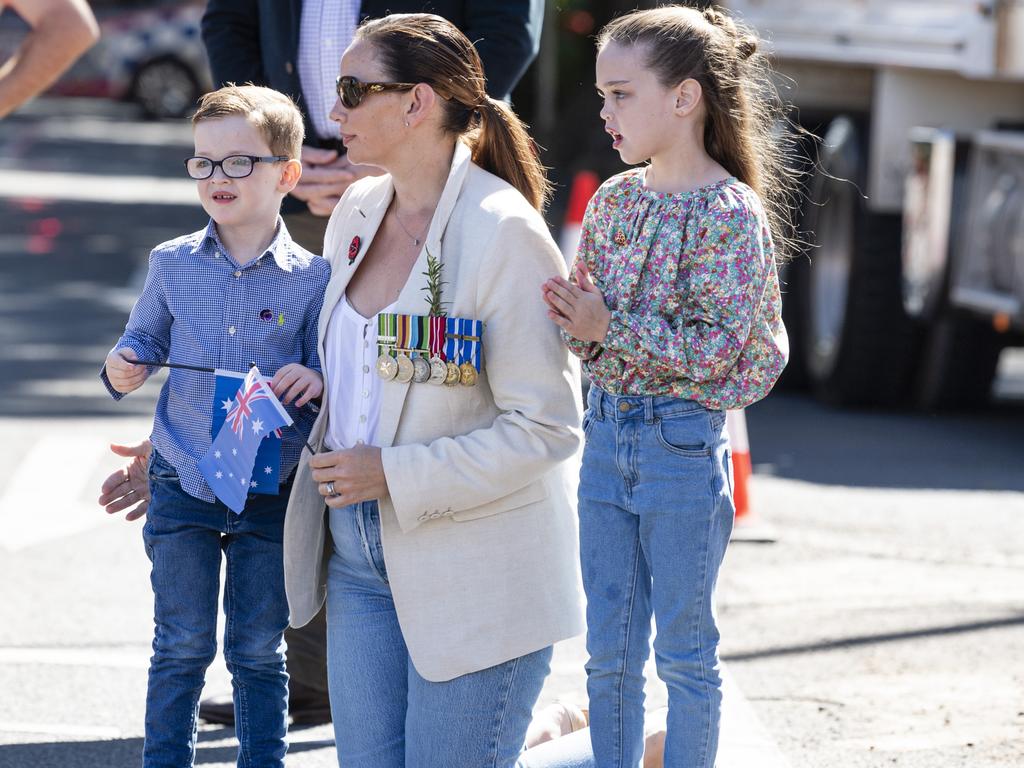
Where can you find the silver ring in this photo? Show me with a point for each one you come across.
(330, 489)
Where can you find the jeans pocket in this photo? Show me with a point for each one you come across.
(588, 420)
(683, 436)
(161, 469)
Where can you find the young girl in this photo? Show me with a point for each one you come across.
(674, 308)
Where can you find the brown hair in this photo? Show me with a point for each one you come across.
(424, 48)
(273, 114)
(741, 132)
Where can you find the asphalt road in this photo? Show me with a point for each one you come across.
(871, 613)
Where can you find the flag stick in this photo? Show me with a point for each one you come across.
(171, 365)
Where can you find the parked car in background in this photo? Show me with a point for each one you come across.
(150, 52)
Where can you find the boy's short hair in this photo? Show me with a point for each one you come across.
(273, 114)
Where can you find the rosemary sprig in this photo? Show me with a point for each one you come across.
(435, 285)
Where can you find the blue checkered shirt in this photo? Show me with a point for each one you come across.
(199, 307)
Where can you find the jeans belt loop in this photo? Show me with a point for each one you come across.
(598, 401)
(649, 409)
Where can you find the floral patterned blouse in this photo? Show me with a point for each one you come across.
(694, 292)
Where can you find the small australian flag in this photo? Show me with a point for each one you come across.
(230, 465)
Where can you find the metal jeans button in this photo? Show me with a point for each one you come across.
(624, 407)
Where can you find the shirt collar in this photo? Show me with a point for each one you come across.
(280, 247)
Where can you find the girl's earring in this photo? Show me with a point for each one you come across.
(406, 123)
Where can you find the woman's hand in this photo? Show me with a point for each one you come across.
(578, 307)
(128, 488)
(354, 475)
(297, 381)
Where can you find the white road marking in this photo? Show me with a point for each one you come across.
(94, 188)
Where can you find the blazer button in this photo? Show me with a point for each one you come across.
(288, 67)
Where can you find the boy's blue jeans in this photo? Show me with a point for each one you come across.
(184, 538)
(656, 513)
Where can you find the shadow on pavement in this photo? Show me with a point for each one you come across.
(65, 294)
(115, 752)
(800, 439)
(885, 637)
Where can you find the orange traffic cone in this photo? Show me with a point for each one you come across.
(736, 424)
(584, 185)
(749, 527)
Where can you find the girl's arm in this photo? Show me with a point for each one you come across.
(732, 265)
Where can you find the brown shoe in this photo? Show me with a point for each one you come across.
(219, 710)
(305, 710)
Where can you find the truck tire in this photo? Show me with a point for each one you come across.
(860, 346)
(958, 364)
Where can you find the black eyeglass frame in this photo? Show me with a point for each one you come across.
(214, 164)
(351, 91)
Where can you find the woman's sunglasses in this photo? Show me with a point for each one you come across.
(351, 91)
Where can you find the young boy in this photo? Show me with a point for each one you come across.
(235, 292)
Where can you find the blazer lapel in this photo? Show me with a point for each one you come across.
(413, 298)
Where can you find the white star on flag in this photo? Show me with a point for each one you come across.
(219, 474)
(227, 405)
(216, 454)
(234, 451)
(241, 480)
(267, 471)
(252, 484)
(257, 426)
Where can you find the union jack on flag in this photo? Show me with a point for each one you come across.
(242, 408)
(249, 414)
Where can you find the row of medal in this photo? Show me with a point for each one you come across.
(429, 349)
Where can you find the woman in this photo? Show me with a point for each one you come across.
(451, 566)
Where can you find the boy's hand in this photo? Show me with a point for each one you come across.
(297, 381)
(578, 308)
(124, 376)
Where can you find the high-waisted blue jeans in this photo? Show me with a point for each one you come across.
(656, 513)
(385, 714)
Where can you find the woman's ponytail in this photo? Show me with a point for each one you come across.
(502, 146)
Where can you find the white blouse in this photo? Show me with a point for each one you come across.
(351, 365)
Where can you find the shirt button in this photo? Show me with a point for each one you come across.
(231, 330)
(238, 273)
(624, 407)
(366, 393)
(366, 344)
(362, 418)
(366, 369)
(359, 442)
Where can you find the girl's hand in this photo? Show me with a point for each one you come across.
(124, 375)
(578, 307)
(297, 381)
(354, 475)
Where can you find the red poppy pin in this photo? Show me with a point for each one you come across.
(353, 249)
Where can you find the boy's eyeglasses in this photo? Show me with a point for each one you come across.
(351, 91)
(234, 166)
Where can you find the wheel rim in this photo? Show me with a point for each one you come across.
(830, 279)
(165, 89)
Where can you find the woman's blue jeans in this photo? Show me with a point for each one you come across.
(184, 539)
(385, 714)
(656, 513)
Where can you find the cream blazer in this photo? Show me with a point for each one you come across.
(479, 528)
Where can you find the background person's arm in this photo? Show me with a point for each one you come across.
(506, 34)
(231, 33)
(62, 30)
